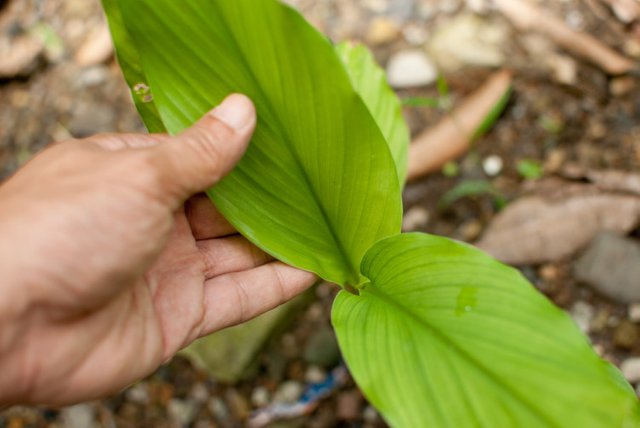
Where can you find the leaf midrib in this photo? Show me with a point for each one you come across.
(388, 300)
(352, 272)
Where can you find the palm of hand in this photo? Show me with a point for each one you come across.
(157, 275)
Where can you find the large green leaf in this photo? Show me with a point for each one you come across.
(444, 336)
(318, 185)
(371, 83)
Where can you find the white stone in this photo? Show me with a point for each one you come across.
(415, 219)
(371, 415)
(411, 68)
(493, 165)
(634, 312)
(182, 412)
(288, 392)
(468, 40)
(582, 313)
(315, 374)
(79, 416)
(199, 393)
(138, 394)
(631, 369)
(260, 397)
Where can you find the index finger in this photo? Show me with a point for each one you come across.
(239, 297)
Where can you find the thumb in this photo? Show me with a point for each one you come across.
(199, 157)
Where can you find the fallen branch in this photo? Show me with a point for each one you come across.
(452, 137)
(528, 17)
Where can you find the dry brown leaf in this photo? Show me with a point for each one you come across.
(452, 137)
(538, 229)
(528, 17)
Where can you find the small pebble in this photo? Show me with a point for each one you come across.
(315, 312)
(182, 412)
(199, 393)
(470, 230)
(582, 313)
(260, 397)
(631, 369)
(79, 416)
(411, 68)
(621, 86)
(349, 406)
(138, 394)
(415, 219)
(549, 272)
(554, 161)
(315, 374)
(371, 415)
(626, 335)
(91, 77)
(493, 165)
(382, 31)
(634, 312)
(288, 392)
(600, 321)
(218, 409)
(600, 350)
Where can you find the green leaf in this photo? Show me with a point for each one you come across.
(470, 188)
(318, 185)
(494, 114)
(371, 83)
(444, 336)
(530, 169)
(129, 61)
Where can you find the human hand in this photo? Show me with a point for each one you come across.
(107, 273)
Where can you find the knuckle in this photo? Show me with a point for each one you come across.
(147, 167)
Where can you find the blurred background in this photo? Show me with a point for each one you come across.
(550, 185)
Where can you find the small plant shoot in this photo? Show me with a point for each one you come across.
(436, 333)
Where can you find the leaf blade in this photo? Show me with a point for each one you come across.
(440, 316)
(318, 180)
(370, 81)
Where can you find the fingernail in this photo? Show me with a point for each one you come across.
(236, 110)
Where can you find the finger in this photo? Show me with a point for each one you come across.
(205, 220)
(199, 157)
(238, 297)
(232, 254)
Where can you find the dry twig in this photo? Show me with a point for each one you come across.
(528, 17)
(452, 137)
